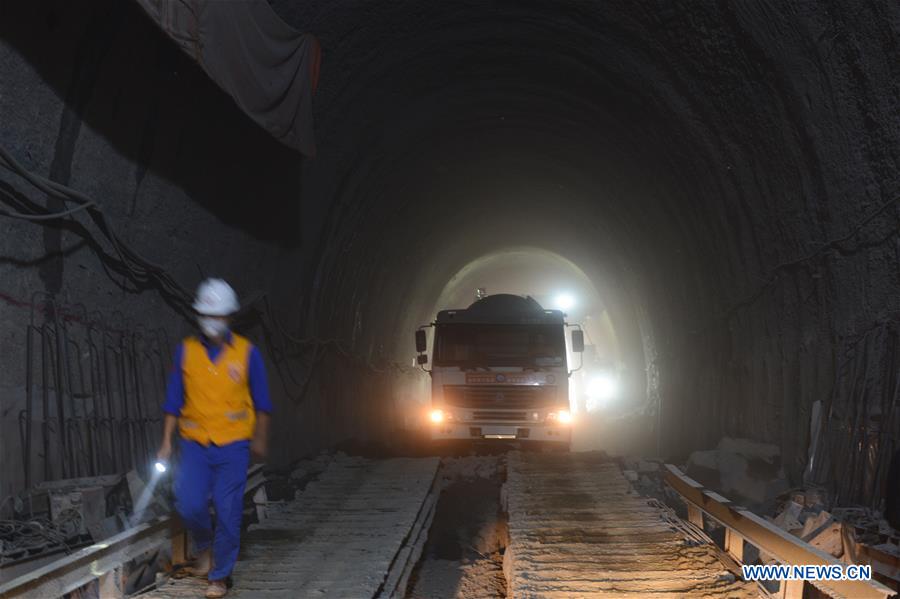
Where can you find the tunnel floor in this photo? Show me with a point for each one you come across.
(578, 528)
(353, 532)
(517, 523)
(464, 554)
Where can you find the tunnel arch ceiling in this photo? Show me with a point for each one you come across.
(523, 271)
(706, 154)
(551, 279)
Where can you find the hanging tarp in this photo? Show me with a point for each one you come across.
(269, 68)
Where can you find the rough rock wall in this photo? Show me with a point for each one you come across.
(94, 97)
(809, 192)
(725, 170)
(730, 167)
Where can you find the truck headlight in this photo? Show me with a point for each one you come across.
(561, 416)
(603, 388)
(436, 416)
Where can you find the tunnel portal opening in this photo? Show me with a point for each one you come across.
(608, 381)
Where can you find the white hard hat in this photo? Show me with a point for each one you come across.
(215, 297)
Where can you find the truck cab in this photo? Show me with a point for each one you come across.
(499, 371)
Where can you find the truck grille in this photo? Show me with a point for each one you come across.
(495, 416)
(507, 397)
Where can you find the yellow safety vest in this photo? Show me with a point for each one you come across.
(218, 407)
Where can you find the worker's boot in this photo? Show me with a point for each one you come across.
(216, 589)
(202, 564)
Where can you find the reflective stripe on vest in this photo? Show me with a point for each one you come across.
(218, 407)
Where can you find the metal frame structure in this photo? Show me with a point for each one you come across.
(104, 560)
(744, 527)
(88, 380)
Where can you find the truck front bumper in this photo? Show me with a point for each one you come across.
(526, 431)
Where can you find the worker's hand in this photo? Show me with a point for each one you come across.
(165, 451)
(165, 448)
(259, 449)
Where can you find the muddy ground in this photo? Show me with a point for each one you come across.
(463, 557)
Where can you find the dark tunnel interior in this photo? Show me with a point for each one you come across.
(719, 181)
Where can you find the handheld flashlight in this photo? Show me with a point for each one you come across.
(160, 466)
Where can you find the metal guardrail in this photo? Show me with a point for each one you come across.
(886, 565)
(101, 560)
(743, 526)
(104, 560)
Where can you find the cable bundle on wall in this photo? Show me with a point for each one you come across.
(138, 267)
(142, 270)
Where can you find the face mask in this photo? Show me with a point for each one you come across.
(212, 327)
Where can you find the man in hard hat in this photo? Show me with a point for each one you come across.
(218, 398)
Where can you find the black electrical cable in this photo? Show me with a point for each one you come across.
(46, 185)
(48, 216)
(138, 267)
(143, 270)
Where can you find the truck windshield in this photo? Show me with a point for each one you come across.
(485, 345)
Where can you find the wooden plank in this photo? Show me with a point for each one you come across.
(255, 478)
(260, 501)
(112, 584)
(791, 589)
(734, 545)
(695, 516)
(180, 546)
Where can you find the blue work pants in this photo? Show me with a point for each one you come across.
(220, 474)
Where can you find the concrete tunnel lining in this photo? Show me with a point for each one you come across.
(720, 166)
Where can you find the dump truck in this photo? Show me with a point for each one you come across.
(499, 370)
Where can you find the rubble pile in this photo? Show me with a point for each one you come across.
(81, 509)
(803, 513)
(870, 527)
(750, 474)
(55, 517)
(852, 534)
(468, 468)
(302, 472)
(645, 475)
(745, 471)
